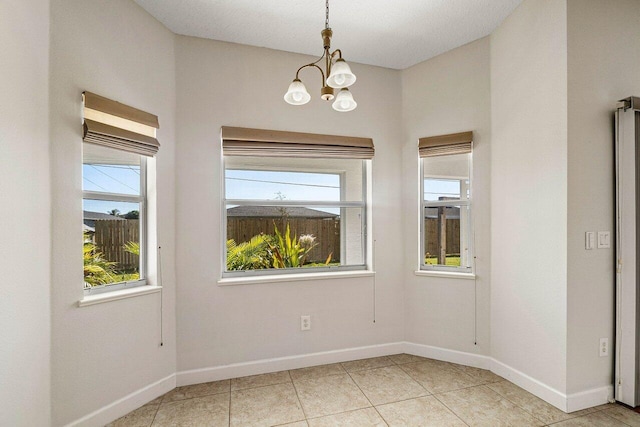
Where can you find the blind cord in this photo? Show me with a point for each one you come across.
(475, 291)
(373, 262)
(161, 295)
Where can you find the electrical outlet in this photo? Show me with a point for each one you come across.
(305, 323)
(604, 347)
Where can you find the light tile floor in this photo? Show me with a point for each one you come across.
(399, 390)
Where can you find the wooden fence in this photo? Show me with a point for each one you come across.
(432, 242)
(110, 238)
(325, 230)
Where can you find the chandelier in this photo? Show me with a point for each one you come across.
(336, 75)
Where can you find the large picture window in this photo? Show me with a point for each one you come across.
(294, 214)
(446, 242)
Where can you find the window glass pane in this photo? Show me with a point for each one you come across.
(441, 189)
(249, 178)
(276, 185)
(446, 177)
(110, 171)
(111, 232)
(318, 237)
(446, 236)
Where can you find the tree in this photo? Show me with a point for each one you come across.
(114, 212)
(131, 215)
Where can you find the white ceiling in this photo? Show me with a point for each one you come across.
(394, 34)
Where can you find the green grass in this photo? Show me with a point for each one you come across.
(450, 260)
(126, 277)
(321, 264)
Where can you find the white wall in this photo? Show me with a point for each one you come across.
(604, 67)
(101, 353)
(25, 250)
(447, 94)
(228, 84)
(538, 95)
(529, 192)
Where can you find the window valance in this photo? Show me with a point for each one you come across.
(259, 142)
(115, 125)
(441, 145)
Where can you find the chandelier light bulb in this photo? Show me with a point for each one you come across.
(344, 101)
(297, 93)
(341, 75)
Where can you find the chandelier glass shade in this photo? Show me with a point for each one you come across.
(336, 75)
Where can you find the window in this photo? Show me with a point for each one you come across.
(446, 242)
(118, 140)
(114, 218)
(293, 214)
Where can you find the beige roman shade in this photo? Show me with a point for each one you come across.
(115, 125)
(271, 143)
(442, 145)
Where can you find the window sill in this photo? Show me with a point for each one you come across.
(445, 274)
(230, 281)
(118, 295)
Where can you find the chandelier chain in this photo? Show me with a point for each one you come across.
(326, 21)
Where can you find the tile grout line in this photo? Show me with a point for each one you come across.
(515, 403)
(153, 420)
(156, 413)
(304, 413)
(449, 409)
(607, 415)
(519, 406)
(404, 400)
(570, 417)
(262, 386)
(368, 400)
(229, 417)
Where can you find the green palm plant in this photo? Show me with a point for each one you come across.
(97, 270)
(251, 255)
(132, 248)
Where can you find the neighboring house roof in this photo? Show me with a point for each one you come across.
(89, 219)
(450, 212)
(277, 212)
(88, 215)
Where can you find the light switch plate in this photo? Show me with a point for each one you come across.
(604, 239)
(589, 240)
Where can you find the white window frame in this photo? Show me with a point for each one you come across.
(448, 203)
(142, 201)
(366, 164)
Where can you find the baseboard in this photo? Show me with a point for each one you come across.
(533, 386)
(126, 404)
(235, 370)
(444, 354)
(589, 398)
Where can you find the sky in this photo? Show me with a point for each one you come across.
(240, 184)
(123, 179)
(274, 185)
